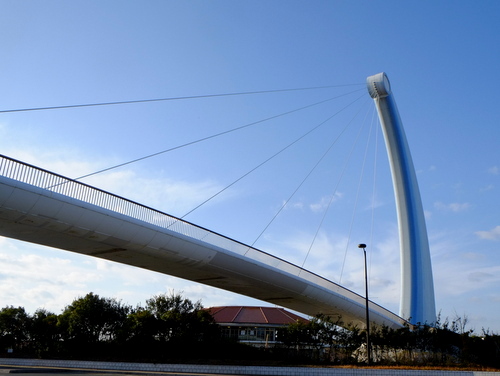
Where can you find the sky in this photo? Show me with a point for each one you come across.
(302, 174)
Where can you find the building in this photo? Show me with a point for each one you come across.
(258, 326)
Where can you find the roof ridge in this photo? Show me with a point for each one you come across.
(286, 313)
(237, 313)
(263, 314)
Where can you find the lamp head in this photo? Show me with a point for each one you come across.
(363, 246)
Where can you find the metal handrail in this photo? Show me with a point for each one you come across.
(38, 177)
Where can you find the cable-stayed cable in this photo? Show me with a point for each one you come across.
(169, 99)
(355, 204)
(311, 170)
(268, 159)
(375, 160)
(333, 194)
(213, 136)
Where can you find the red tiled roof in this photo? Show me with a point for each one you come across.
(253, 315)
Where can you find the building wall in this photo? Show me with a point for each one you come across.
(251, 334)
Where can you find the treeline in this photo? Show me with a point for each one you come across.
(93, 327)
(171, 328)
(446, 343)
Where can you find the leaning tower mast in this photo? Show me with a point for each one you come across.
(417, 286)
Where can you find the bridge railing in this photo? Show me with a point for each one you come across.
(38, 177)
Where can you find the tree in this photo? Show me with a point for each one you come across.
(92, 319)
(297, 335)
(329, 333)
(179, 319)
(45, 332)
(142, 326)
(14, 327)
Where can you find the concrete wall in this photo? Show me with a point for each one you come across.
(231, 370)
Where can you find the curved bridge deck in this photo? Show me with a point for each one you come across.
(41, 207)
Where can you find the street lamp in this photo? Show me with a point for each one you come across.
(368, 352)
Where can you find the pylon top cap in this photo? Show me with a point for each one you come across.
(378, 85)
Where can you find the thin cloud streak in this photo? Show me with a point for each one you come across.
(454, 207)
(493, 234)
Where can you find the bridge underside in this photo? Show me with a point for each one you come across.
(40, 216)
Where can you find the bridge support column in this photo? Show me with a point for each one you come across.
(417, 289)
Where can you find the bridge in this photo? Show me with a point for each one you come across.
(42, 207)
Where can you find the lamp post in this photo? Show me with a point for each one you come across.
(368, 352)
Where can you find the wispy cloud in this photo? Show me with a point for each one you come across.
(294, 205)
(317, 206)
(375, 203)
(460, 275)
(488, 187)
(453, 207)
(39, 277)
(495, 170)
(493, 234)
(333, 255)
(174, 196)
(324, 202)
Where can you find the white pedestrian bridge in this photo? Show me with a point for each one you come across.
(41, 207)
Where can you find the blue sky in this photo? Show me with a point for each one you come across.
(442, 59)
